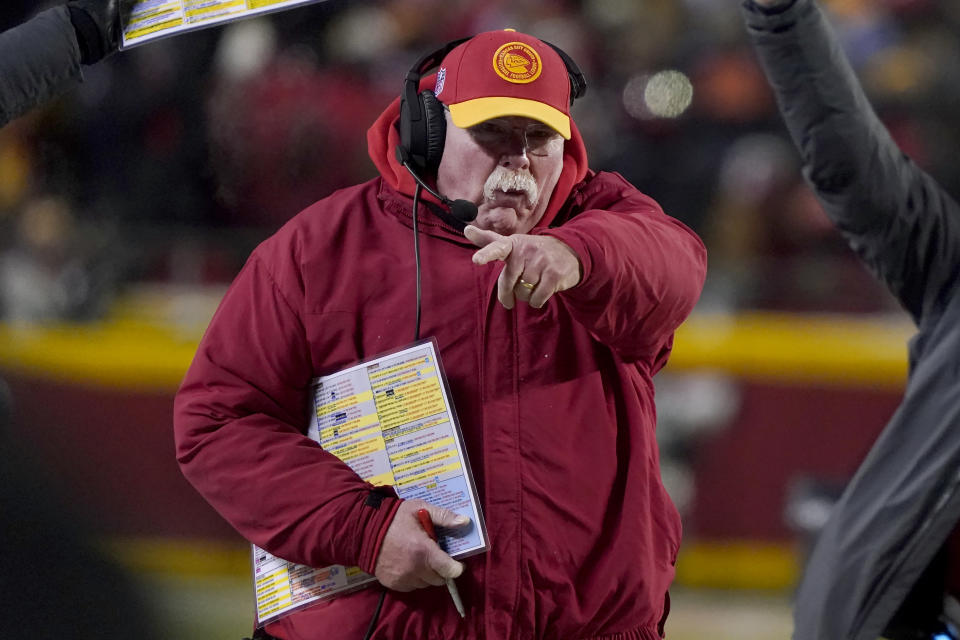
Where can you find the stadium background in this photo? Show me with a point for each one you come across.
(127, 206)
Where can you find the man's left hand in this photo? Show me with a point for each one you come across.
(535, 267)
(109, 17)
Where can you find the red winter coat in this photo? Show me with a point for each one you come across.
(556, 406)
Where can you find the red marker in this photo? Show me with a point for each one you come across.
(427, 523)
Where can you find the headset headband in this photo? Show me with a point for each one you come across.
(411, 87)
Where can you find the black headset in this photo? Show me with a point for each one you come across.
(423, 125)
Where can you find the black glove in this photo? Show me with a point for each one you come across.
(98, 26)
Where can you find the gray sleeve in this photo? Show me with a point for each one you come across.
(903, 225)
(39, 60)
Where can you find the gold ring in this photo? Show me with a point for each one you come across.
(528, 285)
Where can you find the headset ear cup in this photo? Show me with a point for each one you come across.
(435, 129)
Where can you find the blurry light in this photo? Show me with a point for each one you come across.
(695, 403)
(46, 223)
(665, 94)
(899, 70)
(361, 33)
(245, 48)
(731, 87)
(679, 482)
(810, 514)
(15, 166)
(611, 13)
(633, 100)
(668, 94)
(753, 165)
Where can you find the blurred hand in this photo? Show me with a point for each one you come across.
(535, 267)
(109, 16)
(408, 558)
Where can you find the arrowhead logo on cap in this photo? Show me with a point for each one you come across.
(517, 62)
(441, 78)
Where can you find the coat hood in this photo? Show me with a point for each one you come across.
(383, 138)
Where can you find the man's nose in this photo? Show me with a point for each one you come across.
(514, 155)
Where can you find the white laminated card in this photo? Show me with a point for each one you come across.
(391, 420)
(153, 19)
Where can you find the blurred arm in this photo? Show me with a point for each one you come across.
(98, 26)
(39, 60)
(897, 219)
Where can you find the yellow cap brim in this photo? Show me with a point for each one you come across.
(470, 112)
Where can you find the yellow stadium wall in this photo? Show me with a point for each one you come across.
(93, 404)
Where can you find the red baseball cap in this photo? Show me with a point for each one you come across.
(505, 73)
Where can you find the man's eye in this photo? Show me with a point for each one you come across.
(488, 130)
(541, 135)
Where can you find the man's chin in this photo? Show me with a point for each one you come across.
(503, 219)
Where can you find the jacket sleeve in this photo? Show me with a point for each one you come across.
(239, 420)
(895, 216)
(39, 60)
(642, 270)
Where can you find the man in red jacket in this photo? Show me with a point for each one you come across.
(550, 334)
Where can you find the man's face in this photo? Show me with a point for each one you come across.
(507, 166)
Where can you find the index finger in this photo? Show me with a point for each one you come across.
(497, 250)
(480, 237)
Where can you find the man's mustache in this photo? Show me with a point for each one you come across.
(506, 180)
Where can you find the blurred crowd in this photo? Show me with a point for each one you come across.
(173, 159)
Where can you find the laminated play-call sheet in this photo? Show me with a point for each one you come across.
(152, 19)
(391, 420)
